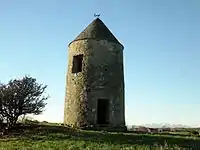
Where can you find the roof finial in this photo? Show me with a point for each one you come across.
(96, 15)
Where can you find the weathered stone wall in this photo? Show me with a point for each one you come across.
(102, 76)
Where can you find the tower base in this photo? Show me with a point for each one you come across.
(108, 128)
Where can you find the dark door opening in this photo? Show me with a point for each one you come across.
(103, 112)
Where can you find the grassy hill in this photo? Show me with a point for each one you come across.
(32, 137)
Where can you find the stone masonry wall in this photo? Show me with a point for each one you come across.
(102, 76)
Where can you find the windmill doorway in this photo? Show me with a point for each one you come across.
(103, 112)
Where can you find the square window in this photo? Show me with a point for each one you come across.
(77, 63)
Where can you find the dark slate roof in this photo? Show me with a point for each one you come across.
(96, 30)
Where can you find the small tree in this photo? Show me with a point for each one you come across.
(21, 97)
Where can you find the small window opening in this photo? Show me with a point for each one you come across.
(77, 63)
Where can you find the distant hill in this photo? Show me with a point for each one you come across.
(161, 125)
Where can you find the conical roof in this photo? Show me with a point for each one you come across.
(96, 30)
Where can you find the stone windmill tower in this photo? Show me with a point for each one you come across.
(95, 79)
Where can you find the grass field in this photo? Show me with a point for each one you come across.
(60, 138)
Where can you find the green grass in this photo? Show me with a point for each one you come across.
(59, 138)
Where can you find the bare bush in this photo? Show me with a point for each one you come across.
(21, 97)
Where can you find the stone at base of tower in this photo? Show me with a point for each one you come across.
(105, 128)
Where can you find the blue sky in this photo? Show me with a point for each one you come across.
(162, 51)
